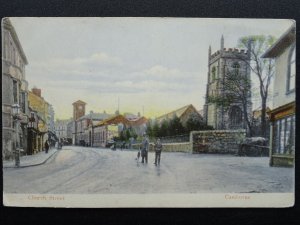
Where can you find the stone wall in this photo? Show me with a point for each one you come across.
(169, 147)
(217, 141)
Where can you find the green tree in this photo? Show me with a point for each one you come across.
(175, 126)
(195, 122)
(149, 129)
(127, 134)
(155, 129)
(164, 129)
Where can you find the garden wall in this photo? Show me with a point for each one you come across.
(217, 141)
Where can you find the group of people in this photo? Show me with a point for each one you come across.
(145, 148)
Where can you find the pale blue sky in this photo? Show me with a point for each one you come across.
(158, 63)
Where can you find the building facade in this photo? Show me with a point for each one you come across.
(82, 127)
(61, 129)
(108, 129)
(282, 117)
(220, 64)
(14, 91)
(40, 107)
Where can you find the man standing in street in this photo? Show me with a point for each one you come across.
(46, 146)
(145, 147)
(158, 149)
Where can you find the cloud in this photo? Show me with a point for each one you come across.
(162, 72)
(79, 64)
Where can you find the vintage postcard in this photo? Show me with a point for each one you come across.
(148, 112)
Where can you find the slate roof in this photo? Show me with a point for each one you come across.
(96, 116)
(282, 43)
(178, 112)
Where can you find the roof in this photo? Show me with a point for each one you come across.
(114, 120)
(178, 112)
(79, 102)
(139, 121)
(122, 119)
(282, 43)
(7, 25)
(96, 116)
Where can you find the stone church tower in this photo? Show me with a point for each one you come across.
(219, 63)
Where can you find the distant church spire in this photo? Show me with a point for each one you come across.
(222, 43)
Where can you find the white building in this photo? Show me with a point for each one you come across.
(282, 117)
(61, 128)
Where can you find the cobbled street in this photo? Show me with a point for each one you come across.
(80, 170)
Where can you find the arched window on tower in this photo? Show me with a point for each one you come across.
(291, 76)
(236, 67)
(235, 116)
(213, 74)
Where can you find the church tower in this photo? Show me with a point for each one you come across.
(78, 109)
(219, 63)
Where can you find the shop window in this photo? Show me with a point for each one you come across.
(284, 136)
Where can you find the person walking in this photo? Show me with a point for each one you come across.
(158, 149)
(46, 146)
(145, 147)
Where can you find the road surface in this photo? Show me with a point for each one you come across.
(81, 170)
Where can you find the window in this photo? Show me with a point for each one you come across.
(284, 135)
(213, 74)
(236, 67)
(15, 91)
(9, 52)
(291, 76)
(22, 102)
(14, 56)
(235, 116)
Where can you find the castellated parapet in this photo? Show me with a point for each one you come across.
(229, 53)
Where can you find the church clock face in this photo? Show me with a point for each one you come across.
(80, 107)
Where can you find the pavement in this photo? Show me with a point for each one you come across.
(31, 160)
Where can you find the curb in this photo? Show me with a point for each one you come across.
(30, 165)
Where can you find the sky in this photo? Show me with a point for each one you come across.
(147, 65)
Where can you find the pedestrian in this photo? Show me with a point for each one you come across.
(138, 156)
(46, 146)
(145, 147)
(158, 149)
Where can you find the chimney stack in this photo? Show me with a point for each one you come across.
(37, 91)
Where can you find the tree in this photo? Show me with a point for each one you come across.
(164, 129)
(238, 88)
(194, 122)
(127, 134)
(155, 129)
(263, 68)
(175, 126)
(149, 129)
